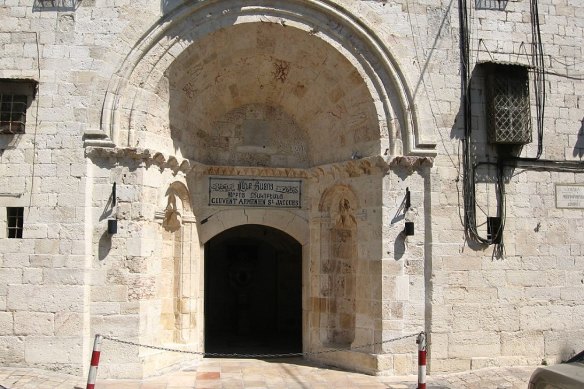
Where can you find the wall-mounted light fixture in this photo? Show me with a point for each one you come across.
(494, 229)
(409, 225)
(112, 224)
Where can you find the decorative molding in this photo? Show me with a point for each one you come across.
(96, 138)
(337, 170)
(411, 163)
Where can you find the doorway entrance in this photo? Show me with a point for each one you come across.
(253, 292)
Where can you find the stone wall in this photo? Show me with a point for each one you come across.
(107, 76)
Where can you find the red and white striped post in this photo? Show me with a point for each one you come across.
(94, 362)
(421, 341)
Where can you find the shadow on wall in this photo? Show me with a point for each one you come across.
(169, 5)
(104, 246)
(579, 146)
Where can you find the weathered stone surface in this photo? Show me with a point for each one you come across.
(361, 102)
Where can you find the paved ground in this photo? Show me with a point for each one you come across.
(290, 374)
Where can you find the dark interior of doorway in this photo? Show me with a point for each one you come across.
(253, 292)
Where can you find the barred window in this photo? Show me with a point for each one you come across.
(55, 5)
(12, 113)
(15, 221)
(15, 98)
(508, 111)
(496, 5)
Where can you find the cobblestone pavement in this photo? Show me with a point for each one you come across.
(290, 374)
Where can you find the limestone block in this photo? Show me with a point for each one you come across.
(499, 317)
(535, 278)
(522, 343)
(19, 246)
(543, 293)
(124, 370)
(543, 317)
(50, 349)
(14, 259)
(402, 288)
(564, 343)
(35, 231)
(68, 323)
(105, 308)
(122, 326)
(9, 276)
(45, 298)
(12, 348)
(473, 344)
(33, 323)
(466, 317)
(436, 366)
(47, 246)
(6, 323)
(483, 362)
(64, 276)
(438, 346)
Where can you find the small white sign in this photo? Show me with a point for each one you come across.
(254, 192)
(570, 196)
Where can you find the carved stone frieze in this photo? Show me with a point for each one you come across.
(411, 162)
(338, 170)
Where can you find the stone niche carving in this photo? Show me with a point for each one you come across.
(338, 265)
(177, 268)
(172, 215)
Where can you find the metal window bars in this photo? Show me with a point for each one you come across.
(12, 113)
(494, 5)
(15, 219)
(508, 109)
(55, 5)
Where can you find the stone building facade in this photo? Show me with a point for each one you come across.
(232, 175)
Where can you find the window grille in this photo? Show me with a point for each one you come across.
(16, 95)
(55, 5)
(494, 5)
(12, 113)
(508, 111)
(15, 221)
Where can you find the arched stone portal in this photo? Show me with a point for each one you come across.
(253, 291)
(293, 91)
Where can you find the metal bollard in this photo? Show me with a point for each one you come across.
(94, 362)
(421, 341)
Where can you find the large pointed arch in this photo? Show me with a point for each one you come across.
(144, 66)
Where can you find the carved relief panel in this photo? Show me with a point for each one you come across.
(338, 264)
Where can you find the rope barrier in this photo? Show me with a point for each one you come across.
(99, 338)
(258, 356)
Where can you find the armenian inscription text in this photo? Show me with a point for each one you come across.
(570, 196)
(254, 192)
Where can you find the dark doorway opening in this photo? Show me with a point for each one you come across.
(253, 292)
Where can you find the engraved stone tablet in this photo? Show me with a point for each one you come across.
(254, 192)
(570, 196)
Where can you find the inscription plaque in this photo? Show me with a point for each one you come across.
(254, 192)
(570, 196)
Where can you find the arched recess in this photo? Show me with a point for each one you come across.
(133, 90)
